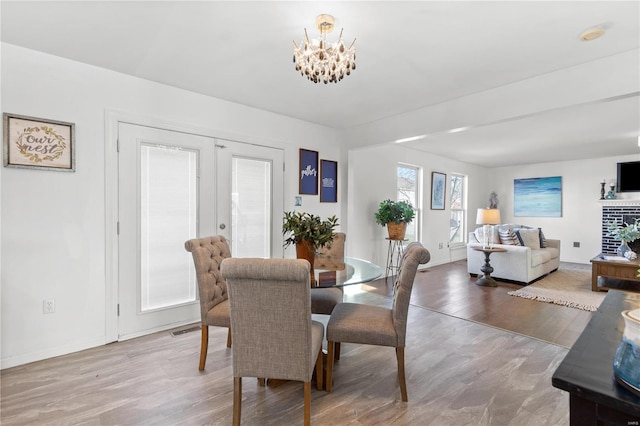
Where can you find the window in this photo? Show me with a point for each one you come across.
(408, 185)
(458, 209)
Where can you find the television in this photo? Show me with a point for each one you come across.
(629, 177)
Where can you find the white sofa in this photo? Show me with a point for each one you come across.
(519, 263)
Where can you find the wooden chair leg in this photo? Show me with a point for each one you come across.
(330, 354)
(204, 346)
(307, 404)
(319, 371)
(401, 378)
(337, 352)
(229, 337)
(237, 400)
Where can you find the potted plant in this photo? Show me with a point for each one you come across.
(395, 215)
(626, 233)
(308, 232)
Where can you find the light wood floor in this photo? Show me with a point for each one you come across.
(459, 371)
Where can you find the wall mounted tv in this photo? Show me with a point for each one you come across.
(629, 176)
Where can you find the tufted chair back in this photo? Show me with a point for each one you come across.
(208, 253)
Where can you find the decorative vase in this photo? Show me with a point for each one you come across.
(304, 250)
(626, 362)
(623, 248)
(396, 230)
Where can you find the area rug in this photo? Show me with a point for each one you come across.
(569, 287)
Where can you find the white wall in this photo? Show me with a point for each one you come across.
(372, 178)
(53, 223)
(581, 219)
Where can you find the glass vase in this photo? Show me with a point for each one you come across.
(622, 248)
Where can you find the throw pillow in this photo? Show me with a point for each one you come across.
(529, 237)
(543, 240)
(508, 237)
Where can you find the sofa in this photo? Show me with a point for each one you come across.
(529, 254)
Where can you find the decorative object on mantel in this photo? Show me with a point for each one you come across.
(626, 362)
(602, 184)
(321, 62)
(395, 215)
(611, 194)
(626, 233)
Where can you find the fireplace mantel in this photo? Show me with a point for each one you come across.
(620, 202)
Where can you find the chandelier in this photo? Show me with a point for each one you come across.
(322, 62)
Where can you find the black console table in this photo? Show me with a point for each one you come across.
(595, 398)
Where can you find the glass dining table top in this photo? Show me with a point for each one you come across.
(338, 272)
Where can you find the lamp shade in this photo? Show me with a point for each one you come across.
(488, 217)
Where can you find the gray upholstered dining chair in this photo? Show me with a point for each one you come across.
(208, 253)
(323, 300)
(377, 325)
(273, 334)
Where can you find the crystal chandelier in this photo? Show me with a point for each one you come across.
(322, 62)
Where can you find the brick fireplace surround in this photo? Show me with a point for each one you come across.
(621, 211)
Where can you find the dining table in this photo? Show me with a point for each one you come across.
(344, 271)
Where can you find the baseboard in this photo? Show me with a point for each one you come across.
(14, 361)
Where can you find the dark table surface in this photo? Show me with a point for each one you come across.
(587, 370)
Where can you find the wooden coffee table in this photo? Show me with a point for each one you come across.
(604, 266)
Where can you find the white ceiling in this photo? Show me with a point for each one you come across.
(411, 56)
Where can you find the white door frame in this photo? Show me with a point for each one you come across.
(112, 119)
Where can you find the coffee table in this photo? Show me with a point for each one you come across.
(612, 266)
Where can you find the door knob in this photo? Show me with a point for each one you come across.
(222, 226)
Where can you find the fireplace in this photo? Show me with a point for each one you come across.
(620, 214)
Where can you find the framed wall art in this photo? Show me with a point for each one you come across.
(328, 181)
(38, 143)
(308, 172)
(538, 197)
(438, 190)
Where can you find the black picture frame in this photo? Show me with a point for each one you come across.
(308, 172)
(328, 181)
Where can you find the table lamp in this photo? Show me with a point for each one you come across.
(487, 218)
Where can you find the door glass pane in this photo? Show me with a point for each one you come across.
(168, 217)
(250, 208)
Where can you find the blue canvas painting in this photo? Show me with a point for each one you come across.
(539, 197)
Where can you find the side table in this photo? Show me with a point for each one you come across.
(487, 269)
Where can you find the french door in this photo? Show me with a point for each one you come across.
(174, 186)
(250, 198)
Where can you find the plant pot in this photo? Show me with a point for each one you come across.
(304, 250)
(397, 230)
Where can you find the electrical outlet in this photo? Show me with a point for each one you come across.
(440, 245)
(576, 244)
(48, 306)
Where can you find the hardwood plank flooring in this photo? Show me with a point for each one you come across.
(459, 371)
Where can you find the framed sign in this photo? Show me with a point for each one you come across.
(438, 187)
(328, 181)
(308, 172)
(38, 143)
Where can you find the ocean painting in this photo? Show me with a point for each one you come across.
(538, 197)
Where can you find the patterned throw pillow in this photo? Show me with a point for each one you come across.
(543, 240)
(508, 237)
(528, 237)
